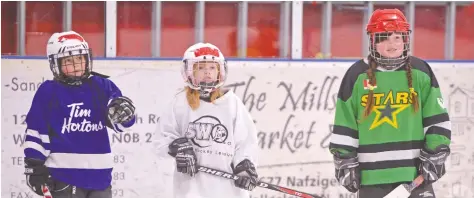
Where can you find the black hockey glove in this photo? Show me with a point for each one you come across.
(432, 163)
(183, 151)
(347, 171)
(248, 177)
(120, 110)
(37, 175)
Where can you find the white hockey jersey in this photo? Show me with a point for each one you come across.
(223, 133)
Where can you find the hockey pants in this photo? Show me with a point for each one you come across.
(63, 190)
(423, 191)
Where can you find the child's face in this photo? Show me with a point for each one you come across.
(73, 65)
(206, 71)
(391, 46)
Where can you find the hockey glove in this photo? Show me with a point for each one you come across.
(186, 160)
(432, 163)
(347, 171)
(37, 175)
(248, 177)
(120, 110)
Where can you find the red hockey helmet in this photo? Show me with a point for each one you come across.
(382, 24)
(388, 20)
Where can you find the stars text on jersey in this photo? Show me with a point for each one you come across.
(387, 106)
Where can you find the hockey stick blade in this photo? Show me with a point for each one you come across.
(404, 190)
(260, 184)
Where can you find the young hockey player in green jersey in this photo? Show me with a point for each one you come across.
(391, 124)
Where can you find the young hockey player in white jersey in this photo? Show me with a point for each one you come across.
(208, 126)
(67, 146)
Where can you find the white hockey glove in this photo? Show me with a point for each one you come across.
(121, 110)
(186, 160)
(347, 171)
(432, 163)
(248, 177)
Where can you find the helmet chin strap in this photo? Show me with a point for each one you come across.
(390, 63)
(391, 68)
(71, 80)
(206, 89)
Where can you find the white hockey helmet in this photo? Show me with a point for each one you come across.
(203, 52)
(64, 44)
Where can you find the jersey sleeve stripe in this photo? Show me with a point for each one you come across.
(389, 155)
(33, 139)
(391, 146)
(341, 146)
(437, 130)
(446, 125)
(32, 133)
(345, 131)
(80, 161)
(388, 164)
(344, 140)
(36, 134)
(37, 147)
(45, 139)
(435, 119)
(46, 146)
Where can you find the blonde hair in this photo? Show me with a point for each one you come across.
(193, 97)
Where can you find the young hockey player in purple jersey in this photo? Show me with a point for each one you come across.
(67, 146)
(206, 125)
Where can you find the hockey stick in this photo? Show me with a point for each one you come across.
(404, 190)
(260, 184)
(46, 192)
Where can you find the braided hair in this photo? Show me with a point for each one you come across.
(413, 99)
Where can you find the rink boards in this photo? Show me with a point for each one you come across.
(292, 104)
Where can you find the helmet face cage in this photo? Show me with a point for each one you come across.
(389, 63)
(55, 61)
(218, 76)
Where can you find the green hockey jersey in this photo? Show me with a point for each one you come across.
(388, 141)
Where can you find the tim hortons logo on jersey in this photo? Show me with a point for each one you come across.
(206, 130)
(387, 106)
(85, 126)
